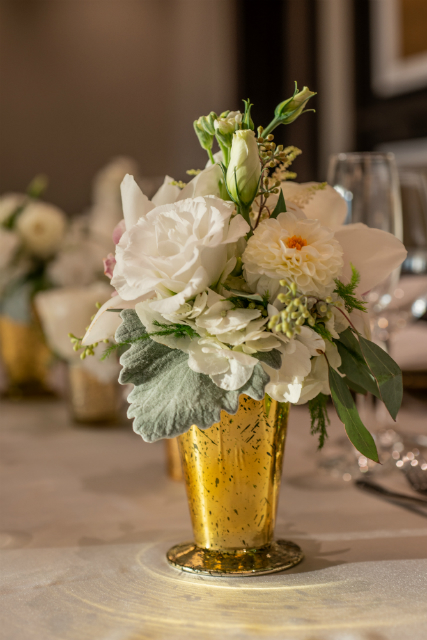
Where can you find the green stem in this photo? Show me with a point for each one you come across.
(210, 154)
(269, 128)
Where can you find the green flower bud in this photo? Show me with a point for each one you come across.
(289, 110)
(244, 170)
(205, 139)
(228, 122)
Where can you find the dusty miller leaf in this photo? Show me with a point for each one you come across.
(168, 397)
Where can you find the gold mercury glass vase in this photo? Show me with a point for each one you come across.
(26, 358)
(91, 400)
(232, 473)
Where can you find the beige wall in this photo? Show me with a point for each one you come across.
(85, 80)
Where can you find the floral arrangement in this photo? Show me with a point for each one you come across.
(31, 235)
(245, 282)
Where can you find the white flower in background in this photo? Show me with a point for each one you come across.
(294, 248)
(79, 261)
(9, 243)
(67, 309)
(177, 250)
(229, 123)
(106, 210)
(41, 227)
(106, 184)
(9, 203)
(244, 170)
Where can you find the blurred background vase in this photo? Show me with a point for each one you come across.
(173, 460)
(26, 358)
(232, 474)
(93, 388)
(92, 401)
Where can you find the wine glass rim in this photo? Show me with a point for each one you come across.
(362, 156)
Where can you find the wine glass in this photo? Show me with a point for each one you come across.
(369, 183)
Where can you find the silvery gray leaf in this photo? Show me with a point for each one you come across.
(168, 397)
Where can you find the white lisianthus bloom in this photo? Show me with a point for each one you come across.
(317, 381)
(9, 242)
(41, 227)
(294, 248)
(244, 169)
(177, 250)
(286, 383)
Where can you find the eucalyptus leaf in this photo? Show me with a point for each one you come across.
(168, 397)
(271, 358)
(353, 363)
(354, 386)
(280, 206)
(347, 413)
(387, 374)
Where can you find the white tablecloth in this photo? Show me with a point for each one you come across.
(87, 515)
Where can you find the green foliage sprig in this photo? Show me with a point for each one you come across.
(319, 417)
(346, 292)
(174, 329)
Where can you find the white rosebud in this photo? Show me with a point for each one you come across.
(244, 170)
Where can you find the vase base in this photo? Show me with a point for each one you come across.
(278, 556)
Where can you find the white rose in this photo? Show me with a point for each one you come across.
(42, 228)
(177, 250)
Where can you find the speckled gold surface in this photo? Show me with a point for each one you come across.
(25, 356)
(232, 473)
(277, 556)
(91, 400)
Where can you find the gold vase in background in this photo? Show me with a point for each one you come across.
(232, 473)
(26, 358)
(173, 460)
(92, 401)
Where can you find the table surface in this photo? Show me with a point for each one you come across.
(87, 515)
